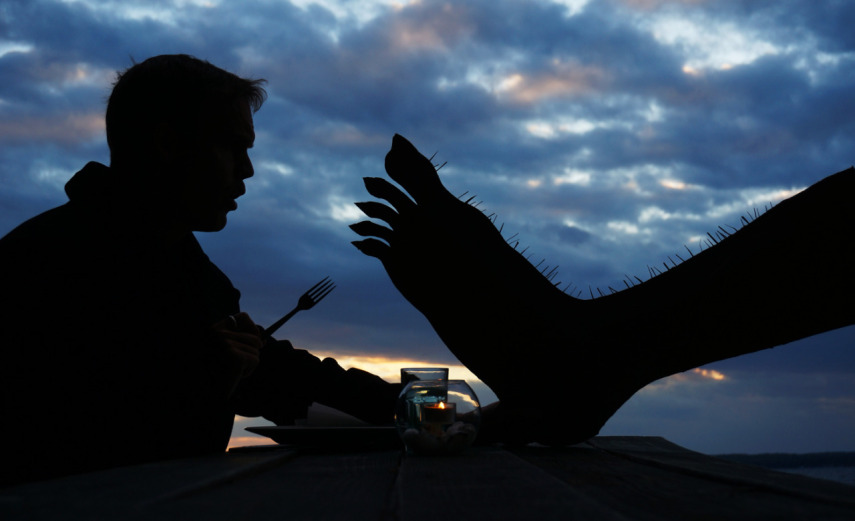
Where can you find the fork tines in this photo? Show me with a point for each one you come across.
(321, 289)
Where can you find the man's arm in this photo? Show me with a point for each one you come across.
(287, 381)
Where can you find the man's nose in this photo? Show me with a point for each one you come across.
(244, 168)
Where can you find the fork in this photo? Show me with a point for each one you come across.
(307, 301)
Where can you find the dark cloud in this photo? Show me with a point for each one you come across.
(571, 234)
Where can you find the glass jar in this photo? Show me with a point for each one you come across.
(437, 416)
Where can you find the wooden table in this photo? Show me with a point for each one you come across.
(607, 478)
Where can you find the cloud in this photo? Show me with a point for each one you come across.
(66, 129)
(564, 80)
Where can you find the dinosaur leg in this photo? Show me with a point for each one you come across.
(535, 346)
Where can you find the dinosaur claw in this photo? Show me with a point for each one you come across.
(527, 340)
(383, 189)
(370, 229)
(372, 248)
(377, 210)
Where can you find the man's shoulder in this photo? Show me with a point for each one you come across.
(64, 221)
(43, 228)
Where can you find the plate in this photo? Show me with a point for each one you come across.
(367, 437)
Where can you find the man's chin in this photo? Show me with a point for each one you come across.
(213, 225)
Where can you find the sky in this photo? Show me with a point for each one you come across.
(609, 135)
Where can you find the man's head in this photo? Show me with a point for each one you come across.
(180, 127)
(177, 94)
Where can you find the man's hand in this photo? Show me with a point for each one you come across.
(243, 342)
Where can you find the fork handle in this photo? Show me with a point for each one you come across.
(276, 325)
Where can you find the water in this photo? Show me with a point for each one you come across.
(832, 466)
(840, 474)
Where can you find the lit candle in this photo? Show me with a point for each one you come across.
(435, 416)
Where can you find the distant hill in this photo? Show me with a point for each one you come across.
(792, 461)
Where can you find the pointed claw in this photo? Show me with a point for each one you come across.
(383, 189)
(372, 248)
(370, 229)
(377, 210)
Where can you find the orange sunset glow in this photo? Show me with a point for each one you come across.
(387, 368)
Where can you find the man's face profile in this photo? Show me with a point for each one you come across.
(215, 169)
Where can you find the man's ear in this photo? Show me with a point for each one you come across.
(165, 144)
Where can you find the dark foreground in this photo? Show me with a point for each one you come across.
(616, 478)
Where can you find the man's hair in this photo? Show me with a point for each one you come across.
(177, 92)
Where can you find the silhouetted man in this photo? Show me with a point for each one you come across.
(121, 341)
